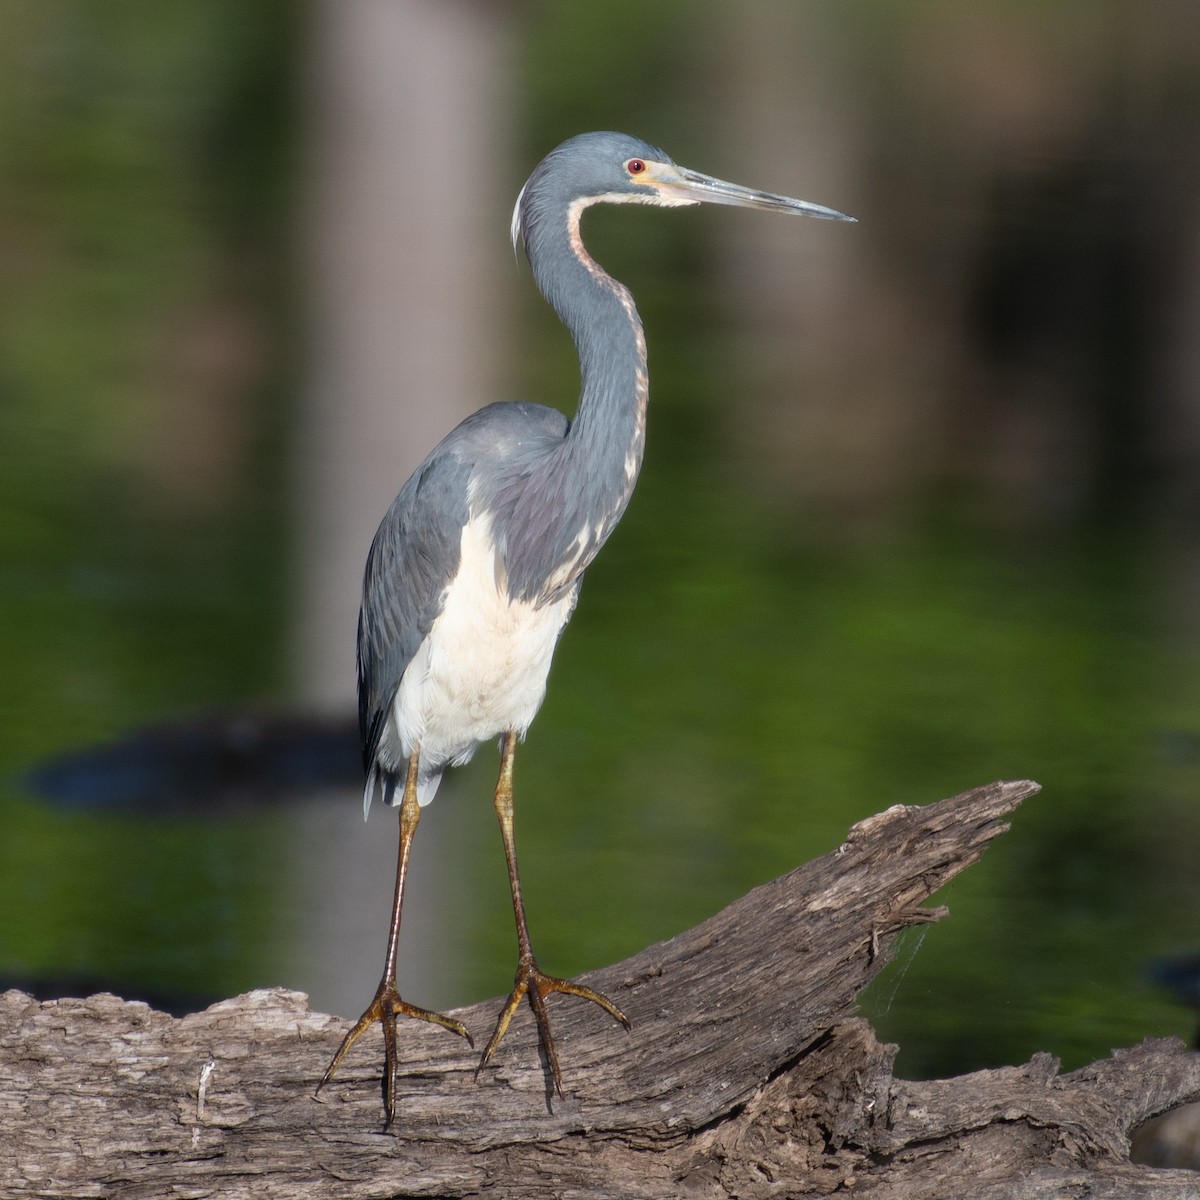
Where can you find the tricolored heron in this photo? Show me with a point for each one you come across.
(476, 567)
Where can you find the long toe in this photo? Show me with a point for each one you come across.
(534, 983)
(384, 1009)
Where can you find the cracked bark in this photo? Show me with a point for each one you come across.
(745, 1075)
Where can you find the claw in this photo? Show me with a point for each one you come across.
(385, 1008)
(532, 982)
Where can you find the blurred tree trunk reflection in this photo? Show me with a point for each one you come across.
(1033, 189)
(403, 239)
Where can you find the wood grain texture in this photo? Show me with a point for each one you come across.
(745, 1075)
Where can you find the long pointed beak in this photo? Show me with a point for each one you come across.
(679, 185)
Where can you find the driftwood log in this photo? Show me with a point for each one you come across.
(745, 1075)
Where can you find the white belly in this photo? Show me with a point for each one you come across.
(482, 669)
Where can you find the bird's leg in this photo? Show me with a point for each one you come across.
(387, 1005)
(530, 981)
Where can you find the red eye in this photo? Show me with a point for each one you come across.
(635, 166)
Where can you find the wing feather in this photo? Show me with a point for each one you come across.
(414, 556)
(417, 548)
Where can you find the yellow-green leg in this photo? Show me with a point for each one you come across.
(530, 981)
(387, 1005)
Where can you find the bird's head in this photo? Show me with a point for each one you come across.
(615, 168)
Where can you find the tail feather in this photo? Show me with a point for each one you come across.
(369, 791)
(391, 791)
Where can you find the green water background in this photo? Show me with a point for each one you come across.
(747, 674)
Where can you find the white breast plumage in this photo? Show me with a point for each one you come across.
(482, 669)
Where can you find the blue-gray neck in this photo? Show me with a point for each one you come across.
(584, 485)
(607, 434)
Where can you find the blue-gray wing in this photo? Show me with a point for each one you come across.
(413, 557)
(417, 547)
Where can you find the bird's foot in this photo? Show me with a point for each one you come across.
(385, 1008)
(531, 982)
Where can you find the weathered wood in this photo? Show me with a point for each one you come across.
(744, 1075)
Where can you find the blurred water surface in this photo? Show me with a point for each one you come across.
(918, 512)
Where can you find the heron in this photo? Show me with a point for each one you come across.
(477, 565)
